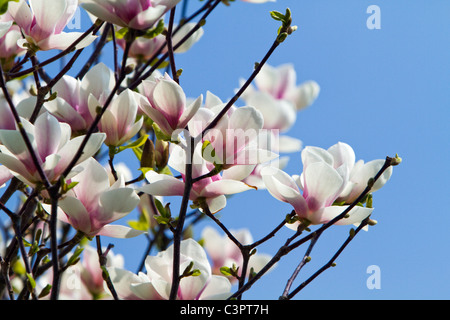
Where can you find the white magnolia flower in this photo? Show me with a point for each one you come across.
(157, 282)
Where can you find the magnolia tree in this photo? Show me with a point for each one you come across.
(63, 190)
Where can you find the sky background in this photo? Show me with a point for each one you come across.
(383, 92)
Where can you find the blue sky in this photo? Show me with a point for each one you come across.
(383, 92)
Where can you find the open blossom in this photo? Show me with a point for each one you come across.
(135, 14)
(143, 48)
(237, 137)
(322, 182)
(358, 172)
(84, 280)
(280, 83)
(93, 204)
(52, 145)
(224, 252)
(156, 283)
(43, 26)
(211, 190)
(72, 103)
(91, 274)
(9, 49)
(119, 120)
(166, 104)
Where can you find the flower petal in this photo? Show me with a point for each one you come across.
(162, 185)
(118, 231)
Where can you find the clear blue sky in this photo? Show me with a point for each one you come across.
(382, 91)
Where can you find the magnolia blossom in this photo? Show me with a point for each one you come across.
(119, 120)
(237, 139)
(52, 145)
(4, 27)
(280, 83)
(43, 26)
(91, 273)
(322, 183)
(84, 280)
(9, 49)
(93, 204)
(165, 104)
(156, 283)
(72, 102)
(143, 48)
(224, 252)
(5, 175)
(181, 33)
(358, 172)
(137, 14)
(210, 190)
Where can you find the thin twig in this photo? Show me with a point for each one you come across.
(181, 219)
(330, 263)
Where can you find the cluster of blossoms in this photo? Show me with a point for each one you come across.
(48, 140)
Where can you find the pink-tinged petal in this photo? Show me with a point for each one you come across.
(278, 114)
(63, 40)
(77, 214)
(13, 141)
(343, 154)
(144, 291)
(304, 95)
(108, 125)
(98, 81)
(158, 118)
(356, 215)
(224, 186)
(216, 204)
(122, 279)
(47, 135)
(238, 172)
(125, 109)
(170, 100)
(316, 154)
(4, 27)
(190, 112)
(199, 121)
(68, 88)
(323, 185)
(68, 14)
(117, 203)
(282, 187)
(361, 175)
(217, 288)
(21, 13)
(118, 231)
(246, 118)
(162, 185)
(64, 112)
(5, 175)
(133, 130)
(100, 10)
(49, 165)
(92, 181)
(47, 19)
(17, 167)
(147, 18)
(70, 149)
(182, 32)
